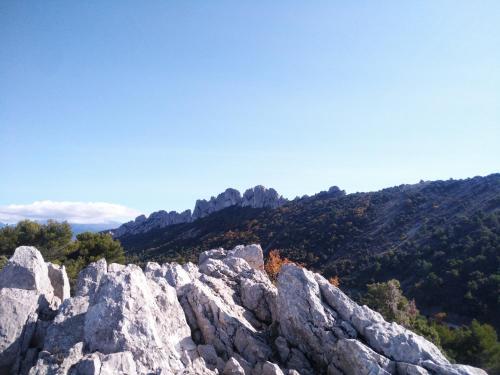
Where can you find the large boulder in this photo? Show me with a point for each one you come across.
(390, 339)
(222, 323)
(252, 254)
(90, 277)
(334, 333)
(304, 320)
(26, 294)
(124, 322)
(27, 270)
(139, 315)
(353, 357)
(67, 328)
(59, 280)
(18, 316)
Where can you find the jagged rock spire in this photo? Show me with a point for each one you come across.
(256, 197)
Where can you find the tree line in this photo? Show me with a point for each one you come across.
(56, 243)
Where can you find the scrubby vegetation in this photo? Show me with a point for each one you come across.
(388, 299)
(55, 242)
(475, 344)
(440, 239)
(274, 263)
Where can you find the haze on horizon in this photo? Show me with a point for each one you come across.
(152, 107)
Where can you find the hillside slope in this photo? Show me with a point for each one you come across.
(441, 239)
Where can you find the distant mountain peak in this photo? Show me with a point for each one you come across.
(256, 197)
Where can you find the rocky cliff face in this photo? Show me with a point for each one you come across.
(158, 219)
(257, 197)
(222, 316)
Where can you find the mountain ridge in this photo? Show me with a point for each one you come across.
(256, 197)
(446, 232)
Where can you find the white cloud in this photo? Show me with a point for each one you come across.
(73, 212)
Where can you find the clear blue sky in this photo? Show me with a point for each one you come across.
(154, 104)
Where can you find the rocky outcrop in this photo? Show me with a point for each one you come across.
(27, 299)
(159, 219)
(230, 197)
(259, 197)
(222, 316)
(256, 197)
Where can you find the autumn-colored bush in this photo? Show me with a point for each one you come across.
(274, 264)
(439, 317)
(335, 281)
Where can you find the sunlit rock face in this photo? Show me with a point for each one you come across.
(256, 197)
(259, 197)
(222, 316)
(159, 219)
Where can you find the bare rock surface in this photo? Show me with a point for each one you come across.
(256, 197)
(27, 270)
(59, 280)
(260, 196)
(222, 317)
(26, 294)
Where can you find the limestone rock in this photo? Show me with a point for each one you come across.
(208, 353)
(408, 369)
(269, 368)
(401, 344)
(353, 358)
(257, 197)
(89, 365)
(323, 322)
(90, 277)
(132, 313)
(59, 280)
(252, 254)
(230, 197)
(66, 329)
(18, 316)
(452, 369)
(26, 269)
(212, 254)
(223, 316)
(304, 320)
(48, 364)
(159, 219)
(391, 339)
(233, 367)
(118, 363)
(132, 324)
(221, 323)
(25, 294)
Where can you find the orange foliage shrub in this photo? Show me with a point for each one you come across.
(335, 281)
(440, 317)
(274, 264)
